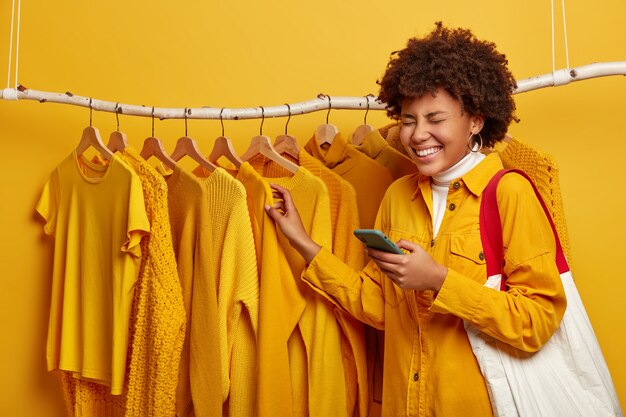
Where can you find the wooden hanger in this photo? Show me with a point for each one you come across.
(262, 145)
(91, 137)
(287, 143)
(326, 133)
(117, 140)
(185, 146)
(154, 147)
(363, 130)
(224, 147)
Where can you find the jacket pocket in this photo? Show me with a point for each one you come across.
(467, 256)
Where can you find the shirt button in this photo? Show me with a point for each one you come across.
(432, 243)
(456, 185)
(452, 206)
(416, 376)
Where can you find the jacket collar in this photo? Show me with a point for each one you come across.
(475, 180)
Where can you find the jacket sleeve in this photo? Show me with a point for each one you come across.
(357, 293)
(530, 310)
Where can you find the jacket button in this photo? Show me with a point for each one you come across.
(416, 376)
(452, 206)
(456, 185)
(432, 243)
(481, 256)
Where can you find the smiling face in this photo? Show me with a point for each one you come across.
(435, 131)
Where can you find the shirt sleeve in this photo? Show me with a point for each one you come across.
(138, 223)
(530, 310)
(47, 206)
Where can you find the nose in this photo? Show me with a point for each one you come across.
(419, 134)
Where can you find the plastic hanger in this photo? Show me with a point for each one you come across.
(287, 143)
(262, 145)
(117, 140)
(91, 137)
(224, 147)
(185, 146)
(363, 130)
(153, 146)
(326, 133)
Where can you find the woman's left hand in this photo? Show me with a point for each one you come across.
(415, 270)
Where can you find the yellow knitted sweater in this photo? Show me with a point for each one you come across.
(543, 170)
(232, 273)
(157, 322)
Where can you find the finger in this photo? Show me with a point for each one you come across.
(384, 256)
(285, 194)
(407, 245)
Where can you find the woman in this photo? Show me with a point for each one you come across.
(453, 96)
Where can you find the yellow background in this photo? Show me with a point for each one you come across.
(249, 53)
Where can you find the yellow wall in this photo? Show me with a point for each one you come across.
(249, 53)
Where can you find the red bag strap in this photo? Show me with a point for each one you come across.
(491, 227)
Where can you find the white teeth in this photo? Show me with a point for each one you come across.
(428, 151)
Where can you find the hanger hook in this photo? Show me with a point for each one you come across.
(117, 115)
(185, 121)
(152, 121)
(90, 113)
(330, 103)
(262, 121)
(367, 97)
(288, 118)
(222, 120)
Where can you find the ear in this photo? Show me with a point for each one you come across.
(477, 123)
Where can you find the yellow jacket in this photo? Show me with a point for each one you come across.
(429, 367)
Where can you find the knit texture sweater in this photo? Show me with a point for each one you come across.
(190, 224)
(544, 171)
(232, 273)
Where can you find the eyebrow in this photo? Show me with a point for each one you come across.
(428, 115)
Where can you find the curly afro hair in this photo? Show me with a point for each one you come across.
(469, 69)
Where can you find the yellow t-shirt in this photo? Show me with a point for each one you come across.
(97, 216)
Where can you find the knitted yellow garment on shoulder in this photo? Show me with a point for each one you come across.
(543, 170)
(157, 323)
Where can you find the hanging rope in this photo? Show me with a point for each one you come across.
(9, 93)
(560, 77)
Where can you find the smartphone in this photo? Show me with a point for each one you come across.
(377, 240)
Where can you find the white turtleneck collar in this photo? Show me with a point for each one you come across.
(441, 182)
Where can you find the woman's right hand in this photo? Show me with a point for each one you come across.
(286, 216)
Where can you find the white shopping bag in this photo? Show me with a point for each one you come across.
(568, 376)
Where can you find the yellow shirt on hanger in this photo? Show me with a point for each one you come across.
(344, 218)
(369, 178)
(300, 365)
(376, 147)
(97, 217)
(430, 369)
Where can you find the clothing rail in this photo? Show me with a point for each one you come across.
(322, 102)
